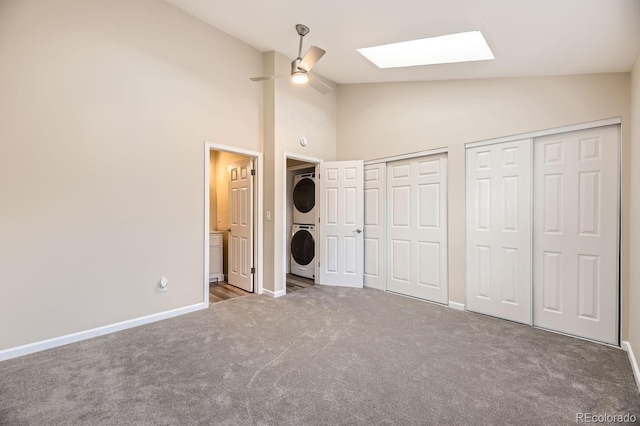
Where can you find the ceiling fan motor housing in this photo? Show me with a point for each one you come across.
(295, 65)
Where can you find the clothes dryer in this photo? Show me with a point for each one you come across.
(303, 247)
(304, 199)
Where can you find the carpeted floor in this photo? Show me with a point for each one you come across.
(320, 356)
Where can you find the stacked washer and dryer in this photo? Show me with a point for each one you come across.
(303, 233)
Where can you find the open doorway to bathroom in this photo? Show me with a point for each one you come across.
(231, 212)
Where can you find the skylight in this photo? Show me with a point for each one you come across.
(447, 49)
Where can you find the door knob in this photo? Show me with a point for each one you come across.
(228, 229)
(358, 230)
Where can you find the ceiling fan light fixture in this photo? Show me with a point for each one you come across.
(299, 77)
(301, 66)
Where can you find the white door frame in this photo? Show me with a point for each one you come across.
(258, 234)
(299, 157)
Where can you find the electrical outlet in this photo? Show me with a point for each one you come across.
(163, 284)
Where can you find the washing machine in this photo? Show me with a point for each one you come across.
(304, 198)
(303, 248)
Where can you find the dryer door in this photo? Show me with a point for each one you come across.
(304, 195)
(302, 247)
(304, 200)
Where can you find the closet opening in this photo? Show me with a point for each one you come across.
(301, 225)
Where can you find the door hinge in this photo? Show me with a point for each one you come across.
(253, 270)
(253, 172)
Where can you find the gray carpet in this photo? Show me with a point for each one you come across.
(320, 356)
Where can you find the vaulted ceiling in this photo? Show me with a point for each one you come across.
(528, 37)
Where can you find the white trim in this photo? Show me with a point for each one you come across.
(275, 295)
(619, 245)
(547, 132)
(259, 200)
(300, 157)
(634, 363)
(258, 249)
(299, 167)
(457, 306)
(229, 148)
(408, 156)
(207, 195)
(30, 348)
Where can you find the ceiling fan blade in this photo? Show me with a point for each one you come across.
(267, 77)
(311, 57)
(319, 85)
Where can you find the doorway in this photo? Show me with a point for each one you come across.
(338, 249)
(232, 231)
(301, 207)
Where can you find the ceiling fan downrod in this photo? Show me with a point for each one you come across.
(302, 30)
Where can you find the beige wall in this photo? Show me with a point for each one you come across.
(381, 120)
(104, 111)
(634, 296)
(297, 111)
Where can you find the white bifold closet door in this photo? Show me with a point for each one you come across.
(575, 209)
(498, 230)
(417, 227)
(374, 206)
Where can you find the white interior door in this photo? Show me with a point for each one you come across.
(374, 205)
(240, 243)
(341, 223)
(417, 227)
(576, 219)
(498, 230)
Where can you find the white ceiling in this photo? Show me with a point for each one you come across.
(528, 37)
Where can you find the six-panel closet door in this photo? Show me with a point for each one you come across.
(416, 226)
(498, 230)
(550, 256)
(575, 238)
(374, 225)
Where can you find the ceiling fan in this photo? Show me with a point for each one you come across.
(301, 67)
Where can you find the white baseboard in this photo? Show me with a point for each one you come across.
(457, 306)
(30, 348)
(273, 294)
(634, 363)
